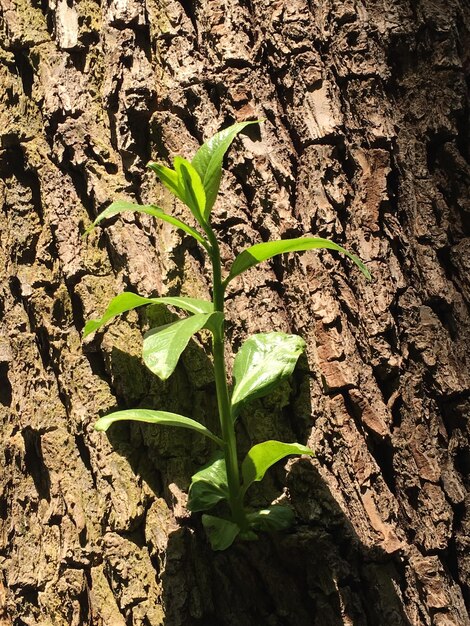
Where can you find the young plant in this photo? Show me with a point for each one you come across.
(263, 361)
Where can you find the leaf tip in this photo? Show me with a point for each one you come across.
(88, 230)
(89, 328)
(156, 168)
(101, 425)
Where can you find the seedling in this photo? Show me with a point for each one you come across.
(263, 361)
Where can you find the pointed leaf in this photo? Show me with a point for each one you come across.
(208, 161)
(190, 182)
(162, 418)
(262, 251)
(163, 346)
(275, 517)
(191, 305)
(263, 361)
(128, 301)
(169, 179)
(208, 485)
(125, 207)
(261, 456)
(220, 532)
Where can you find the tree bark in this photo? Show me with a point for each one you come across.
(365, 142)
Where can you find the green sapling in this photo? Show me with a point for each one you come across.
(263, 361)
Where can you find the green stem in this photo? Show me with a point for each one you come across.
(223, 398)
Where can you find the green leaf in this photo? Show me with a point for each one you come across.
(248, 535)
(128, 301)
(220, 532)
(163, 418)
(208, 161)
(275, 517)
(261, 456)
(263, 361)
(124, 207)
(169, 179)
(190, 183)
(163, 346)
(262, 251)
(209, 485)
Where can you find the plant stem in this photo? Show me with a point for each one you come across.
(223, 399)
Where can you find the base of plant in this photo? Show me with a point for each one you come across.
(223, 532)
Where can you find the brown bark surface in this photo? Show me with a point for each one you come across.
(365, 142)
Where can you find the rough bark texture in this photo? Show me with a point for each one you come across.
(365, 142)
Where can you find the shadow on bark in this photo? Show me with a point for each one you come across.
(318, 574)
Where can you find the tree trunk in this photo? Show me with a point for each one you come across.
(365, 142)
